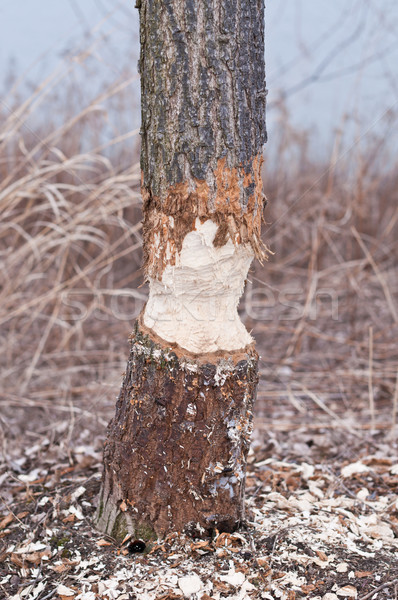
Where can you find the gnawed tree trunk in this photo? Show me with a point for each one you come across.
(176, 450)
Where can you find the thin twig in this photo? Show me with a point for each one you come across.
(327, 410)
(378, 589)
(370, 380)
(395, 405)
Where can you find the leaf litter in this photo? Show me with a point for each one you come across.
(324, 528)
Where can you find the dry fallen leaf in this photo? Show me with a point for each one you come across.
(201, 547)
(17, 560)
(228, 540)
(221, 586)
(375, 460)
(278, 574)
(36, 557)
(103, 542)
(22, 515)
(6, 521)
(60, 568)
(263, 562)
(308, 588)
(69, 519)
(126, 538)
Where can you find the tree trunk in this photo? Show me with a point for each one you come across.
(173, 458)
(176, 450)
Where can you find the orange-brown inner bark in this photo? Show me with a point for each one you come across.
(187, 201)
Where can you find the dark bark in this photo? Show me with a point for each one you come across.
(203, 88)
(203, 117)
(176, 450)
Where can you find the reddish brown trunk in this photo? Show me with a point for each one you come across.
(176, 450)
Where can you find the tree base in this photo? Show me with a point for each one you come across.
(175, 454)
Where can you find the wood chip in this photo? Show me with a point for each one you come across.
(103, 542)
(191, 584)
(64, 591)
(348, 591)
(354, 469)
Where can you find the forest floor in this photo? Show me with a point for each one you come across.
(322, 523)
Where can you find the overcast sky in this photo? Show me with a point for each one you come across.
(327, 59)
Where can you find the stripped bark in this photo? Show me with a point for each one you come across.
(175, 454)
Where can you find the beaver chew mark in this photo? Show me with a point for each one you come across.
(195, 303)
(231, 197)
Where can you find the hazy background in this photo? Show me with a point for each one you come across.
(323, 309)
(325, 60)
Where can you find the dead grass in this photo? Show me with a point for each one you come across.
(70, 251)
(327, 301)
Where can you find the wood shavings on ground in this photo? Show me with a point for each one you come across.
(325, 528)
